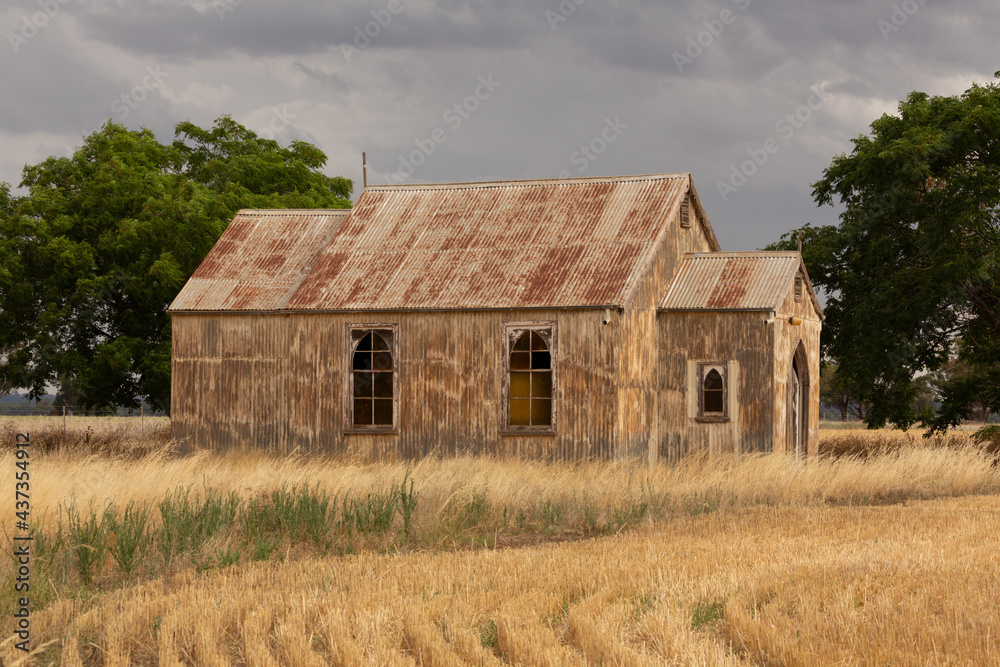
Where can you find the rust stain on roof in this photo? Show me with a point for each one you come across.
(515, 244)
(560, 243)
(733, 284)
(259, 260)
(732, 281)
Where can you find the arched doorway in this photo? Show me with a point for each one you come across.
(798, 402)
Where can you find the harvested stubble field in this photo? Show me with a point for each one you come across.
(883, 556)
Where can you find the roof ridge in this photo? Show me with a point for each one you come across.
(286, 211)
(467, 185)
(744, 253)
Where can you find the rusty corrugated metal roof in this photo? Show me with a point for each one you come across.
(259, 260)
(733, 281)
(513, 244)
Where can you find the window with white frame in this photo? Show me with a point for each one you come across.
(713, 391)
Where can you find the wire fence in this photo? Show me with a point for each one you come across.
(26, 409)
(79, 422)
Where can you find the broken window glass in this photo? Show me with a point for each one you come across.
(530, 388)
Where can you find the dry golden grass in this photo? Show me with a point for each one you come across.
(115, 436)
(863, 443)
(886, 555)
(907, 584)
(66, 477)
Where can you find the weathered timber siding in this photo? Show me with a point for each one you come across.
(277, 382)
(787, 338)
(638, 424)
(745, 342)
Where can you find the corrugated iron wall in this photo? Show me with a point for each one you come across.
(277, 382)
(787, 338)
(742, 337)
(639, 424)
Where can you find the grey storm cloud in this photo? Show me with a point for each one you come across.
(302, 26)
(725, 90)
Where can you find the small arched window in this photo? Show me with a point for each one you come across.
(713, 394)
(372, 379)
(713, 391)
(530, 379)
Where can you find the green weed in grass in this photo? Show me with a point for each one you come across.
(630, 513)
(569, 599)
(707, 612)
(488, 636)
(87, 540)
(221, 558)
(127, 534)
(703, 503)
(407, 503)
(187, 523)
(468, 513)
(372, 515)
(643, 604)
(260, 524)
(590, 518)
(299, 513)
(551, 514)
(313, 509)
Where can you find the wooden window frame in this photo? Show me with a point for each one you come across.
(704, 367)
(799, 287)
(511, 332)
(349, 425)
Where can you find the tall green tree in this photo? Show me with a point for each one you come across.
(912, 272)
(248, 171)
(94, 253)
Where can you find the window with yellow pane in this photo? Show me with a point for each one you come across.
(530, 404)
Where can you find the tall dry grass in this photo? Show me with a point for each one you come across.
(906, 584)
(729, 560)
(72, 476)
(131, 437)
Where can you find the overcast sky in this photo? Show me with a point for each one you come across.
(543, 88)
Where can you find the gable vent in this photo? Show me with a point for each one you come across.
(686, 213)
(798, 288)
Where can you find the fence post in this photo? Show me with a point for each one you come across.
(142, 419)
(64, 420)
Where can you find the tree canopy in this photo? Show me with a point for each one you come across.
(93, 254)
(912, 272)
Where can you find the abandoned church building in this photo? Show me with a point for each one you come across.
(575, 318)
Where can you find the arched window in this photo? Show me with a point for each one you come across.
(712, 392)
(530, 379)
(372, 379)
